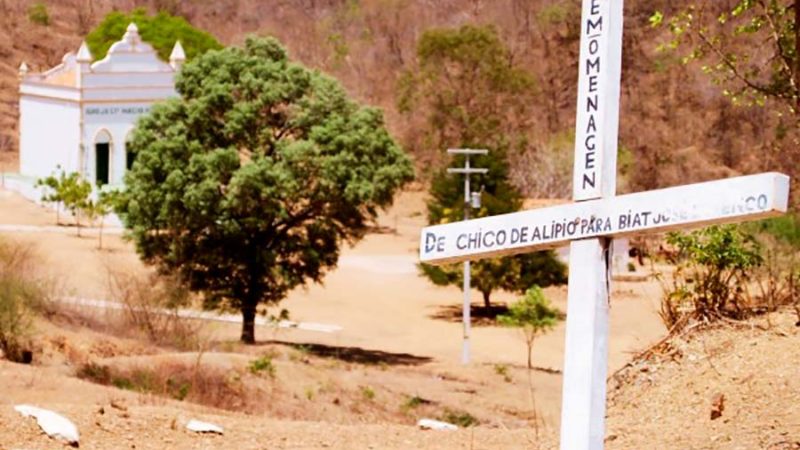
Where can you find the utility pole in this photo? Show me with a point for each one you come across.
(471, 200)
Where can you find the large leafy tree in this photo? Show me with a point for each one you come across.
(466, 91)
(248, 184)
(160, 30)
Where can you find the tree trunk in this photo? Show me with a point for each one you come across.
(486, 303)
(100, 243)
(249, 323)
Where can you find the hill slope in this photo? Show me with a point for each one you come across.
(369, 44)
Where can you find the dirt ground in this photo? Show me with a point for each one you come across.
(399, 340)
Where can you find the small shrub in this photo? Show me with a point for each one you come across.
(263, 364)
(502, 370)
(95, 373)
(414, 402)
(310, 393)
(367, 392)
(22, 294)
(711, 278)
(532, 314)
(38, 14)
(461, 418)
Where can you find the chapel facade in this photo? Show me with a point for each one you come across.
(79, 115)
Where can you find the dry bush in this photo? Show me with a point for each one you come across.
(23, 292)
(151, 305)
(544, 171)
(196, 383)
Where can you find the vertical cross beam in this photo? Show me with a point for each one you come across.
(596, 130)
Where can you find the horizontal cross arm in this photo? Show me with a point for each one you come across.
(467, 171)
(725, 201)
(467, 151)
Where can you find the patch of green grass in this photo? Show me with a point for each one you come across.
(261, 365)
(178, 389)
(461, 418)
(123, 383)
(368, 392)
(502, 370)
(413, 402)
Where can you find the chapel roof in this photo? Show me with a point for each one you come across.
(128, 56)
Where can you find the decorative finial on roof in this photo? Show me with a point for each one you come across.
(132, 35)
(178, 56)
(23, 69)
(84, 55)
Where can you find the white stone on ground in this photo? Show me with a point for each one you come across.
(430, 424)
(203, 427)
(55, 425)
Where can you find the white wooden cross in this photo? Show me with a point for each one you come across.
(596, 217)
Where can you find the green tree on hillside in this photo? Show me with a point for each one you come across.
(160, 30)
(247, 186)
(466, 89)
(469, 94)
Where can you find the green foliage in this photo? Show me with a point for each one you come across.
(38, 14)
(99, 208)
(367, 392)
(533, 315)
(751, 73)
(469, 91)
(710, 280)
(71, 190)
(502, 370)
(263, 364)
(161, 31)
(248, 184)
(498, 196)
(413, 402)
(785, 228)
(461, 418)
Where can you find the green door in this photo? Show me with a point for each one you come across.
(101, 168)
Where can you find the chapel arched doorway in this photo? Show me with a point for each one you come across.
(102, 158)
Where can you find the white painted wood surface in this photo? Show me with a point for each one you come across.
(586, 359)
(677, 208)
(597, 115)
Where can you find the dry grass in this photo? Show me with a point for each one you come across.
(197, 383)
(23, 293)
(151, 304)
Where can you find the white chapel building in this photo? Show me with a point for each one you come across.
(79, 115)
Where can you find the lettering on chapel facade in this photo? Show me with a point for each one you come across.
(80, 114)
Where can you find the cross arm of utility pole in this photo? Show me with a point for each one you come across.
(466, 171)
(467, 151)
